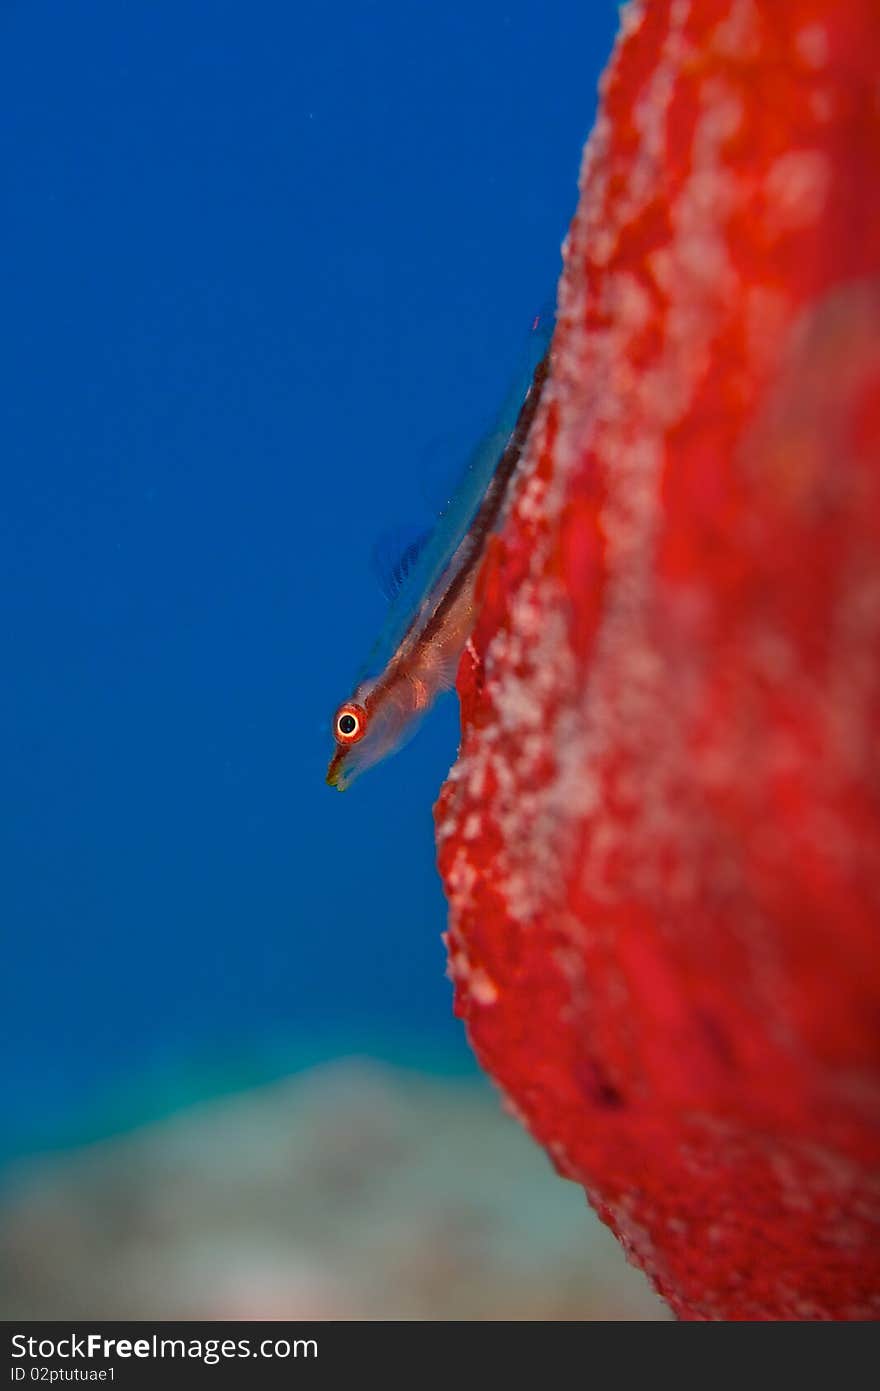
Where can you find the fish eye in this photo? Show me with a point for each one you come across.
(350, 724)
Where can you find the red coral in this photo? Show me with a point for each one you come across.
(661, 842)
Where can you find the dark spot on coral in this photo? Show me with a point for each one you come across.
(596, 1087)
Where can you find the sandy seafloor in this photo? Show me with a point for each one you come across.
(352, 1190)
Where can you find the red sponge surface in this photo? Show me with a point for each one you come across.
(661, 840)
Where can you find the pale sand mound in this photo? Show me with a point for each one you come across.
(351, 1191)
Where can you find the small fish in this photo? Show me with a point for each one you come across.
(433, 610)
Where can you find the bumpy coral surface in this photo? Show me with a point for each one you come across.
(661, 841)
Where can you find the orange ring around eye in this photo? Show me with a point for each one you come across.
(349, 723)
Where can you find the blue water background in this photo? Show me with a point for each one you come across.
(260, 264)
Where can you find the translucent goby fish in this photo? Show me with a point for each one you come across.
(433, 610)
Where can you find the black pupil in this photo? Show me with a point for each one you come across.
(347, 724)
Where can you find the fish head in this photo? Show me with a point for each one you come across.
(350, 727)
(370, 726)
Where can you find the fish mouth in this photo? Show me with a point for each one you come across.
(336, 772)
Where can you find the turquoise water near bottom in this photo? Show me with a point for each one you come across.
(137, 1099)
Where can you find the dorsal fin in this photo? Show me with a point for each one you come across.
(410, 562)
(447, 460)
(395, 554)
(440, 467)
